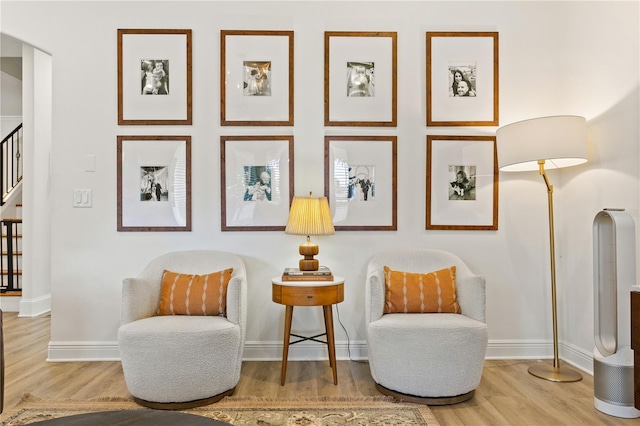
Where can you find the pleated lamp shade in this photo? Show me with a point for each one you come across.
(310, 216)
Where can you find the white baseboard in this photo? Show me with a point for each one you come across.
(83, 351)
(540, 349)
(25, 307)
(311, 351)
(10, 303)
(253, 351)
(34, 307)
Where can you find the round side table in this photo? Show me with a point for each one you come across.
(308, 293)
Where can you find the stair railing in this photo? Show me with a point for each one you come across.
(9, 260)
(10, 162)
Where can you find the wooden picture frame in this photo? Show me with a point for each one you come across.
(256, 78)
(154, 77)
(360, 182)
(360, 78)
(154, 183)
(462, 79)
(462, 183)
(256, 182)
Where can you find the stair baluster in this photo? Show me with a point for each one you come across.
(13, 272)
(11, 162)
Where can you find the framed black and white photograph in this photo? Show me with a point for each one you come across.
(256, 78)
(154, 77)
(360, 182)
(155, 80)
(360, 74)
(154, 183)
(462, 183)
(256, 179)
(462, 79)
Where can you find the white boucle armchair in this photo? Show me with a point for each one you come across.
(433, 358)
(179, 361)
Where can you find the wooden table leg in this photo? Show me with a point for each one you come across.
(326, 328)
(285, 347)
(328, 316)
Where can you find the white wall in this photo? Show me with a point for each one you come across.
(555, 58)
(36, 189)
(10, 85)
(10, 103)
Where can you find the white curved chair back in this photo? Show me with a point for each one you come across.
(470, 287)
(137, 306)
(195, 262)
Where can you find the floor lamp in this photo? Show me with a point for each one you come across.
(542, 144)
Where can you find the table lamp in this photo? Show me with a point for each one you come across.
(309, 216)
(539, 144)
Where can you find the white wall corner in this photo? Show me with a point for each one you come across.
(540, 349)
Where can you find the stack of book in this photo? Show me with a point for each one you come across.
(295, 274)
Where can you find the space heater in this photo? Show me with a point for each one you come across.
(614, 275)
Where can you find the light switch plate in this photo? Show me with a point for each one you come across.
(82, 198)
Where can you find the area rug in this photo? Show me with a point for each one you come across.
(319, 411)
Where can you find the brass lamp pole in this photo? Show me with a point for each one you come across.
(555, 372)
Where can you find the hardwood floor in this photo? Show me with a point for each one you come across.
(507, 395)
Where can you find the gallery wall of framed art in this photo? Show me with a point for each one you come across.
(256, 89)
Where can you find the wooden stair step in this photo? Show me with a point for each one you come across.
(15, 272)
(13, 293)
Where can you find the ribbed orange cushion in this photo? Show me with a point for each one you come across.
(433, 292)
(184, 294)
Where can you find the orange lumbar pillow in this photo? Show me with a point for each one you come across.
(432, 292)
(184, 294)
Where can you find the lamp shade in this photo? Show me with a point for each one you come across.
(561, 141)
(310, 216)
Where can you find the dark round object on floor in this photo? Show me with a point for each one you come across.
(131, 418)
